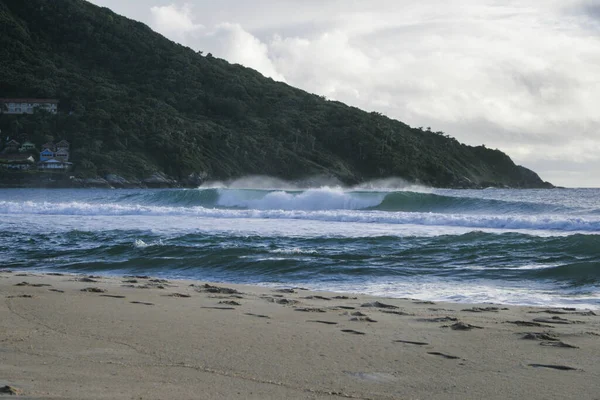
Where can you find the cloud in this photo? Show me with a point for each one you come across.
(226, 40)
(233, 43)
(592, 10)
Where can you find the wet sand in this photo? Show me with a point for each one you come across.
(82, 337)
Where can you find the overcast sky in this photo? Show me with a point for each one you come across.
(521, 76)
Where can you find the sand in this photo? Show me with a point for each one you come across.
(80, 337)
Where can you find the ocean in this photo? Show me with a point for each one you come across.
(527, 247)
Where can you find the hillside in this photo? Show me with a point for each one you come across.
(134, 103)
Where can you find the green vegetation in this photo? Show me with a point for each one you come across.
(133, 103)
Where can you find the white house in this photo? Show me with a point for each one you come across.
(27, 106)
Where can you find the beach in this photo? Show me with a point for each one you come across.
(97, 337)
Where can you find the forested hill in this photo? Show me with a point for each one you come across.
(134, 103)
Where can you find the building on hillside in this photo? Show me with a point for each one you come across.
(63, 145)
(49, 145)
(46, 154)
(16, 161)
(27, 146)
(27, 106)
(11, 146)
(61, 154)
(54, 165)
(62, 150)
(59, 151)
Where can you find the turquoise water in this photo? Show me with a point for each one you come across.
(536, 247)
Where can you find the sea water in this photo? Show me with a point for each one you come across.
(531, 247)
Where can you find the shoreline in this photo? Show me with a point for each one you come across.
(79, 336)
(307, 287)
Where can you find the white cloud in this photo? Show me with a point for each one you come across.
(233, 43)
(174, 21)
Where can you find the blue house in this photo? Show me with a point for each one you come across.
(46, 154)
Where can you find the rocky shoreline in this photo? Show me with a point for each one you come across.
(157, 180)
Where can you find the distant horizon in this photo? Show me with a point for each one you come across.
(520, 77)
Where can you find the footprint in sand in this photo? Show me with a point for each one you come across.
(558, 344)
(355, 314)
(377, 304)
(448, 356)
(282, 301)
(32, 284)
(230, 303)
(540, 336)
(114, 296)
(397, 313)
(483, 309)
(562, 312)
(317, 298)
(258, 315)
(439, 319)
(362, 319)
(352, 331)
(323, 322)
(411, 342)
(93, 290)
(527, 323)
(215, 289)
(159, 281)
(142, 302)
(461, 326)
(309, 309)
(551, 366)
(557, 320)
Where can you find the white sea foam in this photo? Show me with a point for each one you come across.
(140, 244)
(589, 224)
(310, 200)
(464, 291)
(295, 250)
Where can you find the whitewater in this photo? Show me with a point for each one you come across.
(531, 247)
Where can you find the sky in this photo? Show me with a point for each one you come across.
(520, 76)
